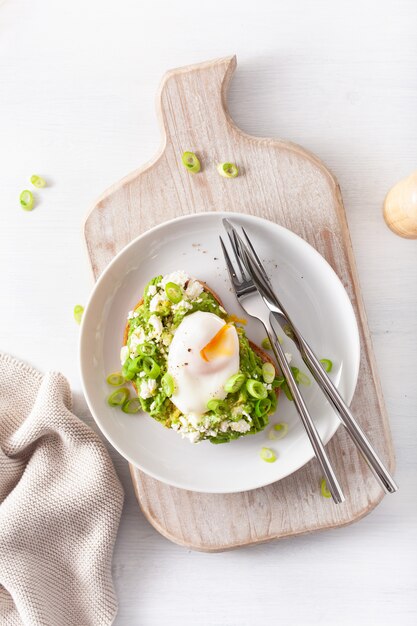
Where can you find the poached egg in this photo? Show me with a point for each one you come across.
(203, 355)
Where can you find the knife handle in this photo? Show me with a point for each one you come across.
(306, 419)
(356, 433)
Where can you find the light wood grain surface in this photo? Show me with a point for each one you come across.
(77, 92)
(290, 186)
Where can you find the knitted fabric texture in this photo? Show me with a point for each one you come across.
(60, 505)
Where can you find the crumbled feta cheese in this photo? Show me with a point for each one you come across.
(268, 386)
(132, 355)
(194, 288)
(142, 374)
(241, 426)
(194, 419)
(147, 388)
(183, 420)
(182, 305)
(124, 354)
(156, 299)
(151, 290)
(224, 426)
(156, 324)
(193, 437)
(136, 338)
(179, 278)
(175, 426)
(237, 410)
(130, 315)
(288, 356)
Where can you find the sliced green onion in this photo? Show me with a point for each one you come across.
(256, 389)
(217, 406)
(234, 383)
(131, 406)
(37, 181)
(128, 372)
(327, 364)
(278, 431)
(151, 367)
(191, 162)
(118, 397)
(300, 377)
(134, 367)
(268, 372)
(323, 488)
(266, 344)
(26, 200)
(174, 292)
(167, 384)
(228, 170)
(262, 407)
(286, 390)
(268, 455)
(116, 379)
(78, 313)
(147, 348)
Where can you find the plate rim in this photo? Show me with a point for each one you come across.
(153, 229)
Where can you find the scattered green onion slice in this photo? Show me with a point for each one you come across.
(256, 389)
(300, 377)
(26, 200)
(151, 367)
(234, 383)
(147, 348)
(327, 364)
(174, 292)
(278, 431)
(268, 372)
(268, 455)
(37, 181)
(116, 379)
(217, 406)
(263, 407)
(118, 397)
(78, 313)
(191, 162)
(131, 406)
(266, 344)
(323, 488)
(228, 170)
(286, 390)
(167, 384)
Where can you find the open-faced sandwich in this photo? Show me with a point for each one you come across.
(192, 366)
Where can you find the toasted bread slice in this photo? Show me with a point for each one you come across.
(257, 349)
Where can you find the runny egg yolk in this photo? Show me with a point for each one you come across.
(221, 344)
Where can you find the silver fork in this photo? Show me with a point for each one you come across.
(251, 301)
(277, 310)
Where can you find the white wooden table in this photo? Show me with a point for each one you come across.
(77, 86)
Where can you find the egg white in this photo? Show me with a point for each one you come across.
(197, 380)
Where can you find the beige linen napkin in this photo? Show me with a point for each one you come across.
(60, 505)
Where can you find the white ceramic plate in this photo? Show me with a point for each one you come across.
(313, 296)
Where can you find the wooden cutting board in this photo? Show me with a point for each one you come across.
(286, 184)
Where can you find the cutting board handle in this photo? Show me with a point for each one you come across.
(195, 85)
